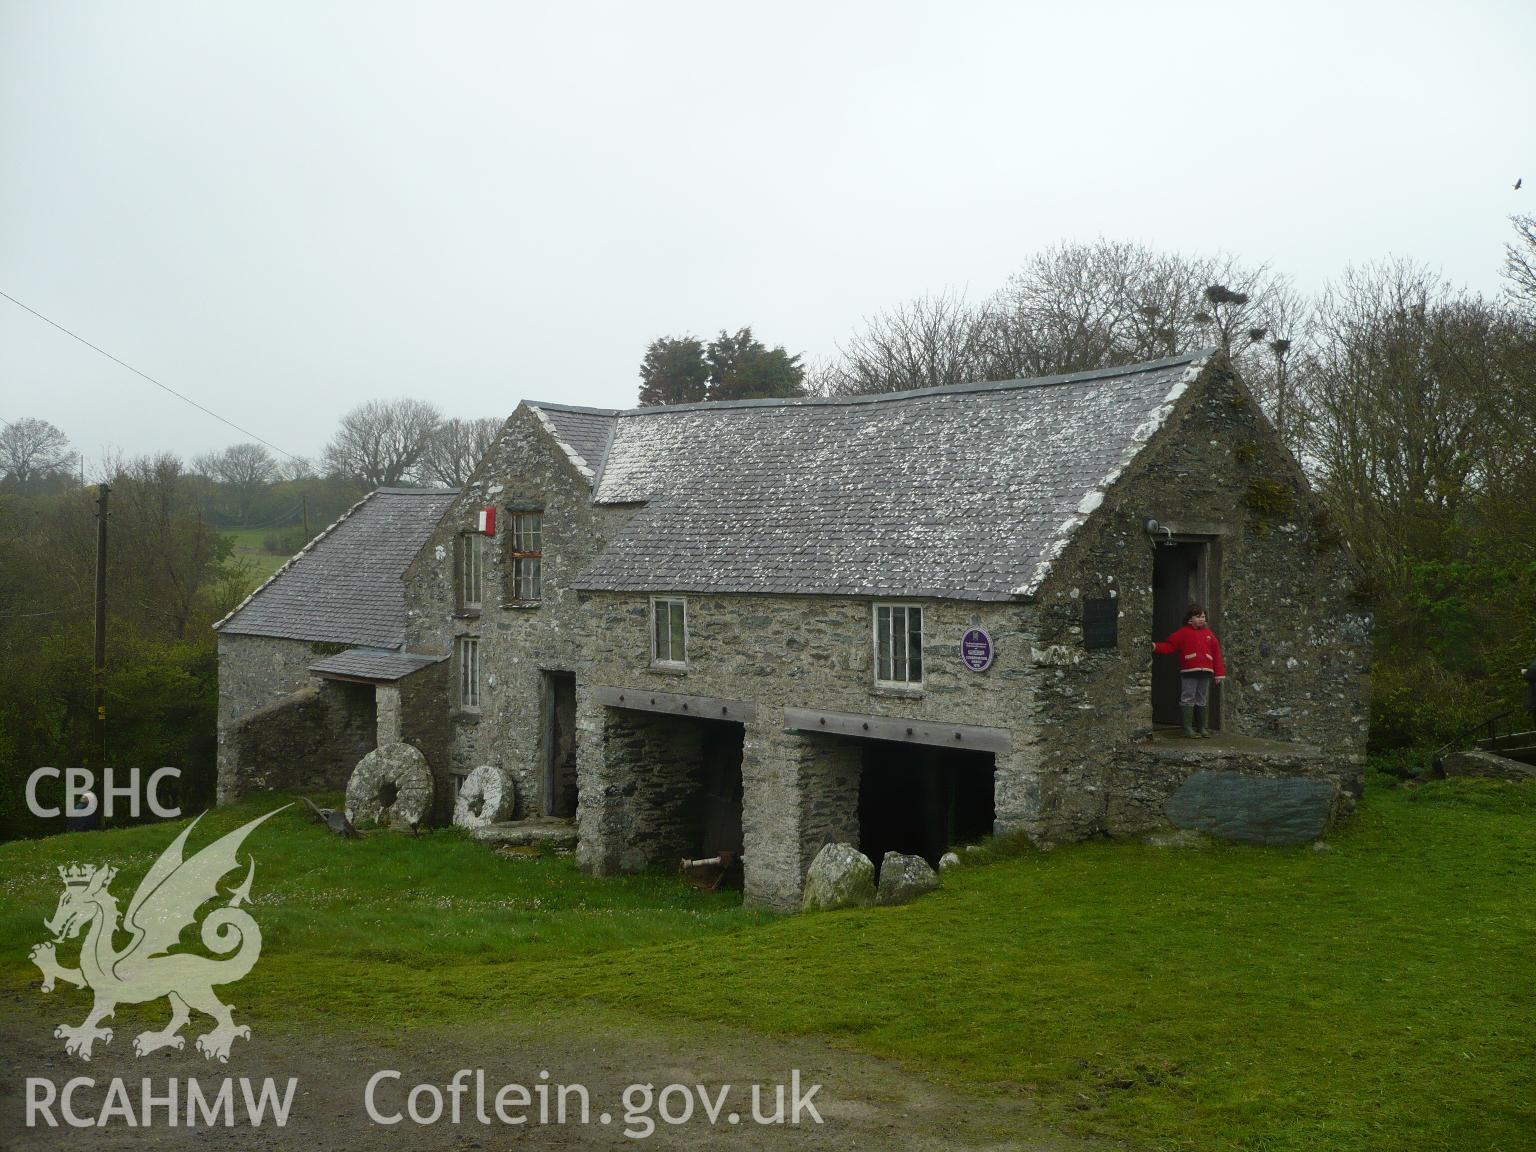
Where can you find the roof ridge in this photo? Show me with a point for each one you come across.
(574, 408)
(1199, 356)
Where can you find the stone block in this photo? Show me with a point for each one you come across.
(1487, 764)
(904, 878)
(840, 877)
(1253, 809)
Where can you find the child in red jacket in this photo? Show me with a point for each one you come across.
(1200, 661)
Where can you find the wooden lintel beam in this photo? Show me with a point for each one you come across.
(676, 703)
(975, 736)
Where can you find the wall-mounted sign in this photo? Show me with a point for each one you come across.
(976, 650)
(485, 521)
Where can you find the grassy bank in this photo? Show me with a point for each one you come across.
(1379, 995)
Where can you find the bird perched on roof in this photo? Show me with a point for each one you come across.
(334, 819)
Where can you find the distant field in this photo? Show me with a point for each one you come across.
(248, 547)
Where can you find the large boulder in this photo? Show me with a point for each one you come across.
(1487, 764)
(840, 877)
(904, 878)
(391, 785)
(1253, 809)
(487, 796)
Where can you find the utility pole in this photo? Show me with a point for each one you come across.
(101, 623)
(304, 500)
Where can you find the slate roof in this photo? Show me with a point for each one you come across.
(583, 433)
(344, 587)
(956, 493)
(374, 664)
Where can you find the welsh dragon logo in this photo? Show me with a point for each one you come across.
(167, 901)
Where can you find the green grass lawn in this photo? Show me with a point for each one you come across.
(1379, 995)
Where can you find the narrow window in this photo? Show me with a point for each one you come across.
(669, 632)
(527, 555)
(471, 569)
(899, 645)
(469, 672)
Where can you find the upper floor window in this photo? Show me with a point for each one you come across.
(471, 569)
(469, 672)
(669, 632)
(899, 645)
(526, 555)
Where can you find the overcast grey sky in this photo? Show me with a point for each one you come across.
(284, 209)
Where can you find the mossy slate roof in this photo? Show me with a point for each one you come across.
(345, 586)
(957, 493)
(374, 664)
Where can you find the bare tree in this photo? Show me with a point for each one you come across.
(382, 442)
(1520, 264)
(246, 469)
(457, 446)
(293, 468)
(1406, 398)
(1075, 307)
(32, 451)
(164, 555)
(930, 342)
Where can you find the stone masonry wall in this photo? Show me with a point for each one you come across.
(254, 673)
(311, 739)
(1297, 646)
(654, 781)
(517, 640)
(801, 789)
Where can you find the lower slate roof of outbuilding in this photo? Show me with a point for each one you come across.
(966, 493)
(345, 586)
(373, 664)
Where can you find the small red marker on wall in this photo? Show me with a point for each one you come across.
(487, 522)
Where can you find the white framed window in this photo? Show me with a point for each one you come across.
(899, 645)
(526, 555)
(469, 672)
(669, 632)
(471, 569)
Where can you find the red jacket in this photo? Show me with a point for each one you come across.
(1197, 648)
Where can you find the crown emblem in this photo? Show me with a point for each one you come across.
(76, 875)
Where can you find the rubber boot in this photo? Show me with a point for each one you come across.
(1187, 711)
(1201, 728)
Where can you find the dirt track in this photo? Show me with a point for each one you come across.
(863, 1103)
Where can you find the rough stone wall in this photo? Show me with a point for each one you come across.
(656, 762)
(1297, 646)
(255, 672)
(425, 725)
(828, 770)
(387, 714)
(310, 739)
(523, 468)
(800, 789)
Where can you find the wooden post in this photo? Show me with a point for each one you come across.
(101, 623)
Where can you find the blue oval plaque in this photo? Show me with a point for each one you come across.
(976, 650)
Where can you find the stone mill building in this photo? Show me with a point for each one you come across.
(900, 621)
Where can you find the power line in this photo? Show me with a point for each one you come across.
(148, 377)
(55, 612)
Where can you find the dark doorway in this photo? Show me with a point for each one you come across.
(921, 800)
(1181, 574)
(720, 825)
(559, 707)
